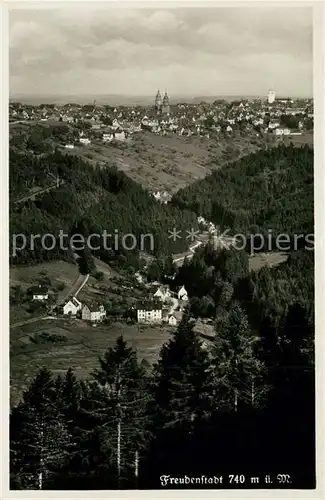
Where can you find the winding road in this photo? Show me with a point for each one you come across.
(219, 242)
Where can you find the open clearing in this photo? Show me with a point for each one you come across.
(57, 271)
(84, 344)
(271, 259)
(168, 162)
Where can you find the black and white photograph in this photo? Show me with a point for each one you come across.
(161, 247)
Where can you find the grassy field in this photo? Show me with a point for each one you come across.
(271, 259)
(81, 350)
(57, 271)
(172, 162)
(168, 162)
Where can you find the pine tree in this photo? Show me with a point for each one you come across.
(237, 370)
(293, 374)
(39, 440)
(69, 396)
(182, 390)
(86, 262)
(183, 400)
(116, 405)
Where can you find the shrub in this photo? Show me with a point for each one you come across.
(44, 338)
(60, 286)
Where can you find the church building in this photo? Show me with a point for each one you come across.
(162, 105)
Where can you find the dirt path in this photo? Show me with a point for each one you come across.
(76, 287)
(47, 189)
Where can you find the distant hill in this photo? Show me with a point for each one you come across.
(129, 100)
(122, 100)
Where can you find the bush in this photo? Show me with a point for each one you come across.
(60, 286)
(38, 307)
(98, 275)
(44, 280)
(44, 338)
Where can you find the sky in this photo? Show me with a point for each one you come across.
(85, 50)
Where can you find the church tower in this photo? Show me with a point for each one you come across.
(158, 102)
(165, 105)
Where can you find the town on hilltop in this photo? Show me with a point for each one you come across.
(279, 116)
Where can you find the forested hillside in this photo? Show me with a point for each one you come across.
(91, 200)
(268, 190)
(215, 279)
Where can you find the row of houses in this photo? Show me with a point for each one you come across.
(156, 311)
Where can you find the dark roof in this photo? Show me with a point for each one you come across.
(92, 307)
(39, 289)
(149, 305)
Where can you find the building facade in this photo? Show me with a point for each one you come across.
(72, 307)
(271, 97)
(149, 312)
(93, 313)
(182, 294)
(162, 293)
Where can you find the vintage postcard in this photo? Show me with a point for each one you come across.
(163, 162)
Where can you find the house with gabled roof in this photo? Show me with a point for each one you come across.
(93, 312)
(72, 307)
(182, 294)
(162, 293)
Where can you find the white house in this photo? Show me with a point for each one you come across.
(67, 119)
(115, 124)
(120, 136)
(282, 131)
(69, 146)
(163, 293)
(229, 128)
(182, 294)
(40, 292)
(273, 125)
(85, 141)
(72, 307)
(108, 137)
(201, 220)
(93, 312)
(149, 312)
(172, 320)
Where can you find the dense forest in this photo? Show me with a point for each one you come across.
(270, 189)
(213, 279)
(91, 200)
